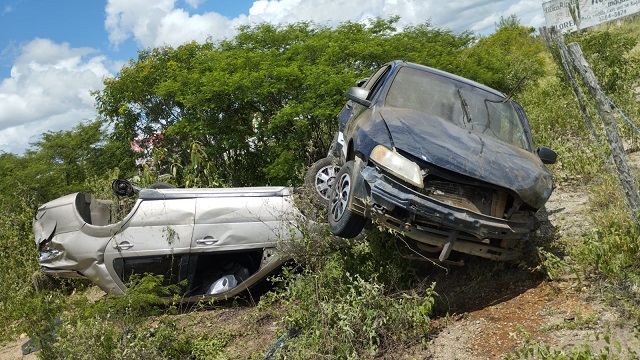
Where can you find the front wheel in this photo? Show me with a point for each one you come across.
(342, 221)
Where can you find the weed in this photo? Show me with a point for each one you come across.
(351, 302)
(554, 267)
(133, 326)
(18, 262)
(531, 350)
(581, 321)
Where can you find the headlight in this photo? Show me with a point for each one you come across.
(47, 251)
(398, 165)
(46, 255)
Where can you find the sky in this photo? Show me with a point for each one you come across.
(53, 54)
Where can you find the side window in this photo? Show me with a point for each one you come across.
(172, 267)
(374, 84)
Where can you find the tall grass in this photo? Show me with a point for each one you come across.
(18, 261)
(354, 302)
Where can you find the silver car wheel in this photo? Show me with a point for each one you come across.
(325, 179)
(342, 221)
(319, 179)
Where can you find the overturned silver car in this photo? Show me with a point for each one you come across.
(215, 242)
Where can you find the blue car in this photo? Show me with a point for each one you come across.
(445, 162)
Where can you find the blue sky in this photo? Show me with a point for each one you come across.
(77, 22)
(53, 53)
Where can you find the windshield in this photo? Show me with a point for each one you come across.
(462, 104)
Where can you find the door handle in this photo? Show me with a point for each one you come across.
(207, 240)
(123, 245)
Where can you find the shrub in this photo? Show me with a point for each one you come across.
(133, 326)
(353, 302)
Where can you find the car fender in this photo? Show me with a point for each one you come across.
(367, 135)
(358, 202)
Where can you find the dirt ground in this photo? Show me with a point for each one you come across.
(480, 315)
(493, 317)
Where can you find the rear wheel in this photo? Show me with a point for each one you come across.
(342, 221)
(320, 178)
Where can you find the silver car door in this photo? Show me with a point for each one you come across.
(155, 239)
(235, 235)
(234, 220)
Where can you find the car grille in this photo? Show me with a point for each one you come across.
(479, 200)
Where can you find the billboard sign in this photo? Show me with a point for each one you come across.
(589, 12)
(595, 12)
(556, 13)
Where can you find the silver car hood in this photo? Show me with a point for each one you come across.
(468, 153)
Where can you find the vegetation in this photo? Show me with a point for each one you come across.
(258, 109)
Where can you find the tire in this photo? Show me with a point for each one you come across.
(342, 221)
(319, 179)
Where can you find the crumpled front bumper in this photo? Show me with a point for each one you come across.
(435, 223)
(70, 253)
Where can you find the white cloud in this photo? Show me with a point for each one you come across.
(178, 27)
(332, 12)
(139, 19)
(155, 23)
(49, 90)
(194, 3)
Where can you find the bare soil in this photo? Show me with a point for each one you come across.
(493, 317)
(485, 310)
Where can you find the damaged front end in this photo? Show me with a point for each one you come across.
(442, 160)
(64, 250)
(447, 215)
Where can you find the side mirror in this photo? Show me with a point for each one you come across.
(122, 187)
(547, 155)
(359, 95)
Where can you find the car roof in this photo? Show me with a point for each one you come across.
(448, 75)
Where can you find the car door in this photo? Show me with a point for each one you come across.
(237, 219)
(360, 112)
(155, 239)
(232, 228)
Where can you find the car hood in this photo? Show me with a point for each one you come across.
(468, 153)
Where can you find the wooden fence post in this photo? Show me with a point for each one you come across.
(617, 149)
(564, 56)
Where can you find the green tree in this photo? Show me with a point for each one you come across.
(55, 165)
(503, 58)
(610, 56)
(262, 105)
